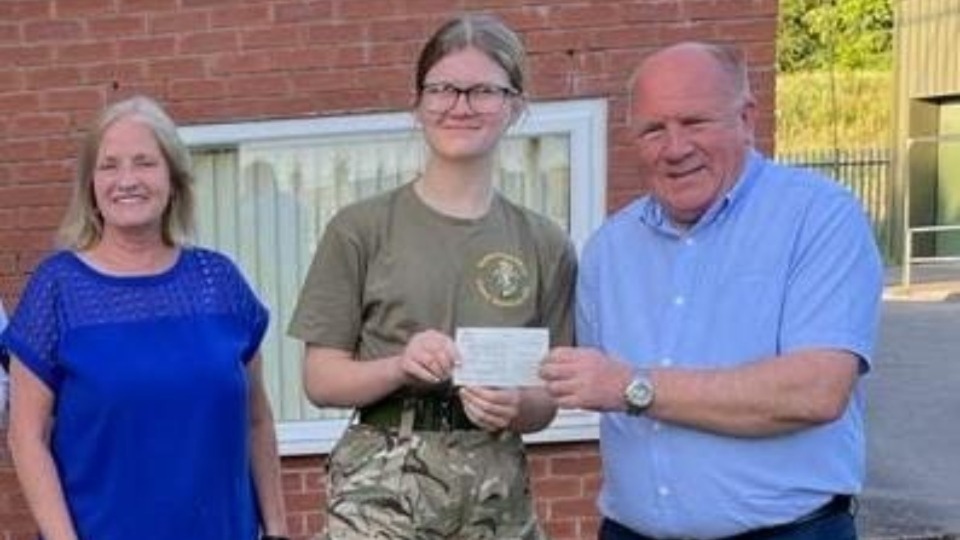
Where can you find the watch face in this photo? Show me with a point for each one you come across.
(639, 394)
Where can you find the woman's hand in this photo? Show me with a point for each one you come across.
(493, 409)
(428, 358)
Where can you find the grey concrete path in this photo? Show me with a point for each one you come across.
(913, 486)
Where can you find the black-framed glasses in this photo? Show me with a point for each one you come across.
(481, 98)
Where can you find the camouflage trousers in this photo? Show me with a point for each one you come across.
(433, 485)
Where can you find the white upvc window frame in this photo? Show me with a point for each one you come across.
(584, 121)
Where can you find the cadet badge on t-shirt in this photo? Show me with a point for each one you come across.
(502, 279)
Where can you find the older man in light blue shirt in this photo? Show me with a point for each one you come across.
(724, 321)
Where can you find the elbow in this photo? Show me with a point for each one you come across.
(316, 395)
(825, 410)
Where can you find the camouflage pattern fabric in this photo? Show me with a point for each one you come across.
(432, 485)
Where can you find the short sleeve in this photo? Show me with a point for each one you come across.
(835, 284)
(252, 313)
(557, 298)
(328, 311)
(587, 317)
(33, 334)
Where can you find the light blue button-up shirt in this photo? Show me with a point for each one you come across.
(786, 261)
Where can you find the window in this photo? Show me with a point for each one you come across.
(265, 190)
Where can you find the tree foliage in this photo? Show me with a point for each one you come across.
(845, 34)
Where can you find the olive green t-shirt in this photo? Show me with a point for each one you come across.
(389, 267)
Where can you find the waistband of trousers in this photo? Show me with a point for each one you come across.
(430, 413)
(838, 504)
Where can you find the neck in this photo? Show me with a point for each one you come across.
(119, 254)
(463, 190)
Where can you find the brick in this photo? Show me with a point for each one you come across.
(556, 487)
(52, 30)
(80, 53)
(574, 465)
(300, 12)
(313, 81)
(296, 502)
(314, 60)
(11, 81)
(77, 8)
(207, 42)
(411, 29)
(329, 32)
(179, 22)
(202, 88)
(44, 216)
(366, 10)
(74, 99)
(757, 30)
(21, 150)
(24, 9)
(556, 40)
(574, 507)
(26, 55)
(150, 47)
(33, 124)
(240, 16)
(176, 68)
(275, 37)
(259, 85)
(141, 6)
(115, 74)
(42, 174)
(592, 15)
(9, 33)
(248, 62)
(52, 77)
(117, 26)
(652, 12)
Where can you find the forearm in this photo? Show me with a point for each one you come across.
(537, 410)
(333, 378)
(764, 398)
(266, 477)
(41, 487)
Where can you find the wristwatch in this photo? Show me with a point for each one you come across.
(638, 394)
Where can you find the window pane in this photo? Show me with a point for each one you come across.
(266, 204)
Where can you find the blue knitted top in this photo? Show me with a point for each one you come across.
(150, 423)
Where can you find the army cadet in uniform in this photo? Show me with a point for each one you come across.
(395, 275)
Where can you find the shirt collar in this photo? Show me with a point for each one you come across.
(653, 214)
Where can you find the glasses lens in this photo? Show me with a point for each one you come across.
(438, 98)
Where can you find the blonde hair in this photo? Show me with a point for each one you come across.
(82, 226)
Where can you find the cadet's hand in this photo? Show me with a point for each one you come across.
(493, 409)
(428, 357)
(582, 378)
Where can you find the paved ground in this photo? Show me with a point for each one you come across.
(913, 486)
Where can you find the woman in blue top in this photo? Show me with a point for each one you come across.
(138, 408)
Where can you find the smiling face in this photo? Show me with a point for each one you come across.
(131, 180)
(461, 133)
(693, 126)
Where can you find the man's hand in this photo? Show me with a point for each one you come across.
(582, 378)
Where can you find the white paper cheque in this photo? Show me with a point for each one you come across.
(500, 356)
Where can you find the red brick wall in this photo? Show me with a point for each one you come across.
(231, 60)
